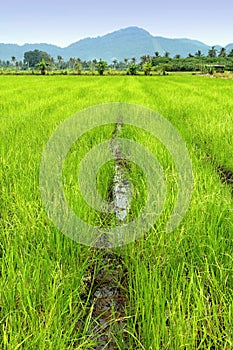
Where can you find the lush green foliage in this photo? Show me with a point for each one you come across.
(33, 58)
(146, 64)
(180, 286)
(42, 66)
(132, 69)
(101, 66)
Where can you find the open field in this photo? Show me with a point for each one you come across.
(179, 286)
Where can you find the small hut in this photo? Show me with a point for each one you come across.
(218, 68)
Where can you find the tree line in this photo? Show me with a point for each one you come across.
(42, 61)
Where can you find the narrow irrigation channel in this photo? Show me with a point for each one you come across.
(108, 299)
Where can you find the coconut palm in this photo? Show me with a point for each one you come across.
(42, 66)
(143, 59)
(198, 53)
(126, 60)
(71, 62)
(13, 60)
(59, 58)
(101, 66)
(230, 53)
(114, 63)
(133, 60)
(223, 52)
(212, 52)
(147, 68)
(94, 61)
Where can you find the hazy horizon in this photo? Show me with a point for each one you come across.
(62, 24)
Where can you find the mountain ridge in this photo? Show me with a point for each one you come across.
(123, 43)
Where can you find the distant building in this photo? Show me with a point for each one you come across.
(219, 68)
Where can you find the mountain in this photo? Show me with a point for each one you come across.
(9, 50)
(124, 43)
(229, 47)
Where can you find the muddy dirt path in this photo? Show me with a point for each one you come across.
(109, 293)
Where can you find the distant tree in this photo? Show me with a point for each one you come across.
(212, 52)
(101, 66)
(126, 62)
(51, 62)
(162, 68)
(13, 60)
(190, 55)
(198, 53)
(147, 68)
(42, 66)
(94, 61)
(230, 54)
(92, 68)
(114, 63)
(60, 59)
(78, 66)
(92, 65)
(177, 56)
(157, 54)
(132, 69)
(19, 64)
(133, 60)
(146, 58)
(222, 52)
(166, 54)
(85, 65)
(143, 59)
(71, 62)
(32, 58)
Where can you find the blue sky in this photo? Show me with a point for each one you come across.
(63, 22)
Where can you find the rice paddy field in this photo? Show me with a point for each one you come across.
(178, 287)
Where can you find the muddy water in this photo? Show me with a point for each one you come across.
(108, 297)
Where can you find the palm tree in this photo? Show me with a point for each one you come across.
(51, 62)
(42, 66)
(101, 66)
(133, 60)
(223, 52)
(71, 62)
(78, 66)
(143, 59)
(230, 53)
(198, 53)
(147, 68)
(13, 59)
(166, 54)
(212, 52)
(132, 70)
(59, 58)
(94, 61)
(115, 63)
(85, 64)
(126, 62)
(156, 54)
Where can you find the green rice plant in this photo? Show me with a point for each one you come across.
(179, 285)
